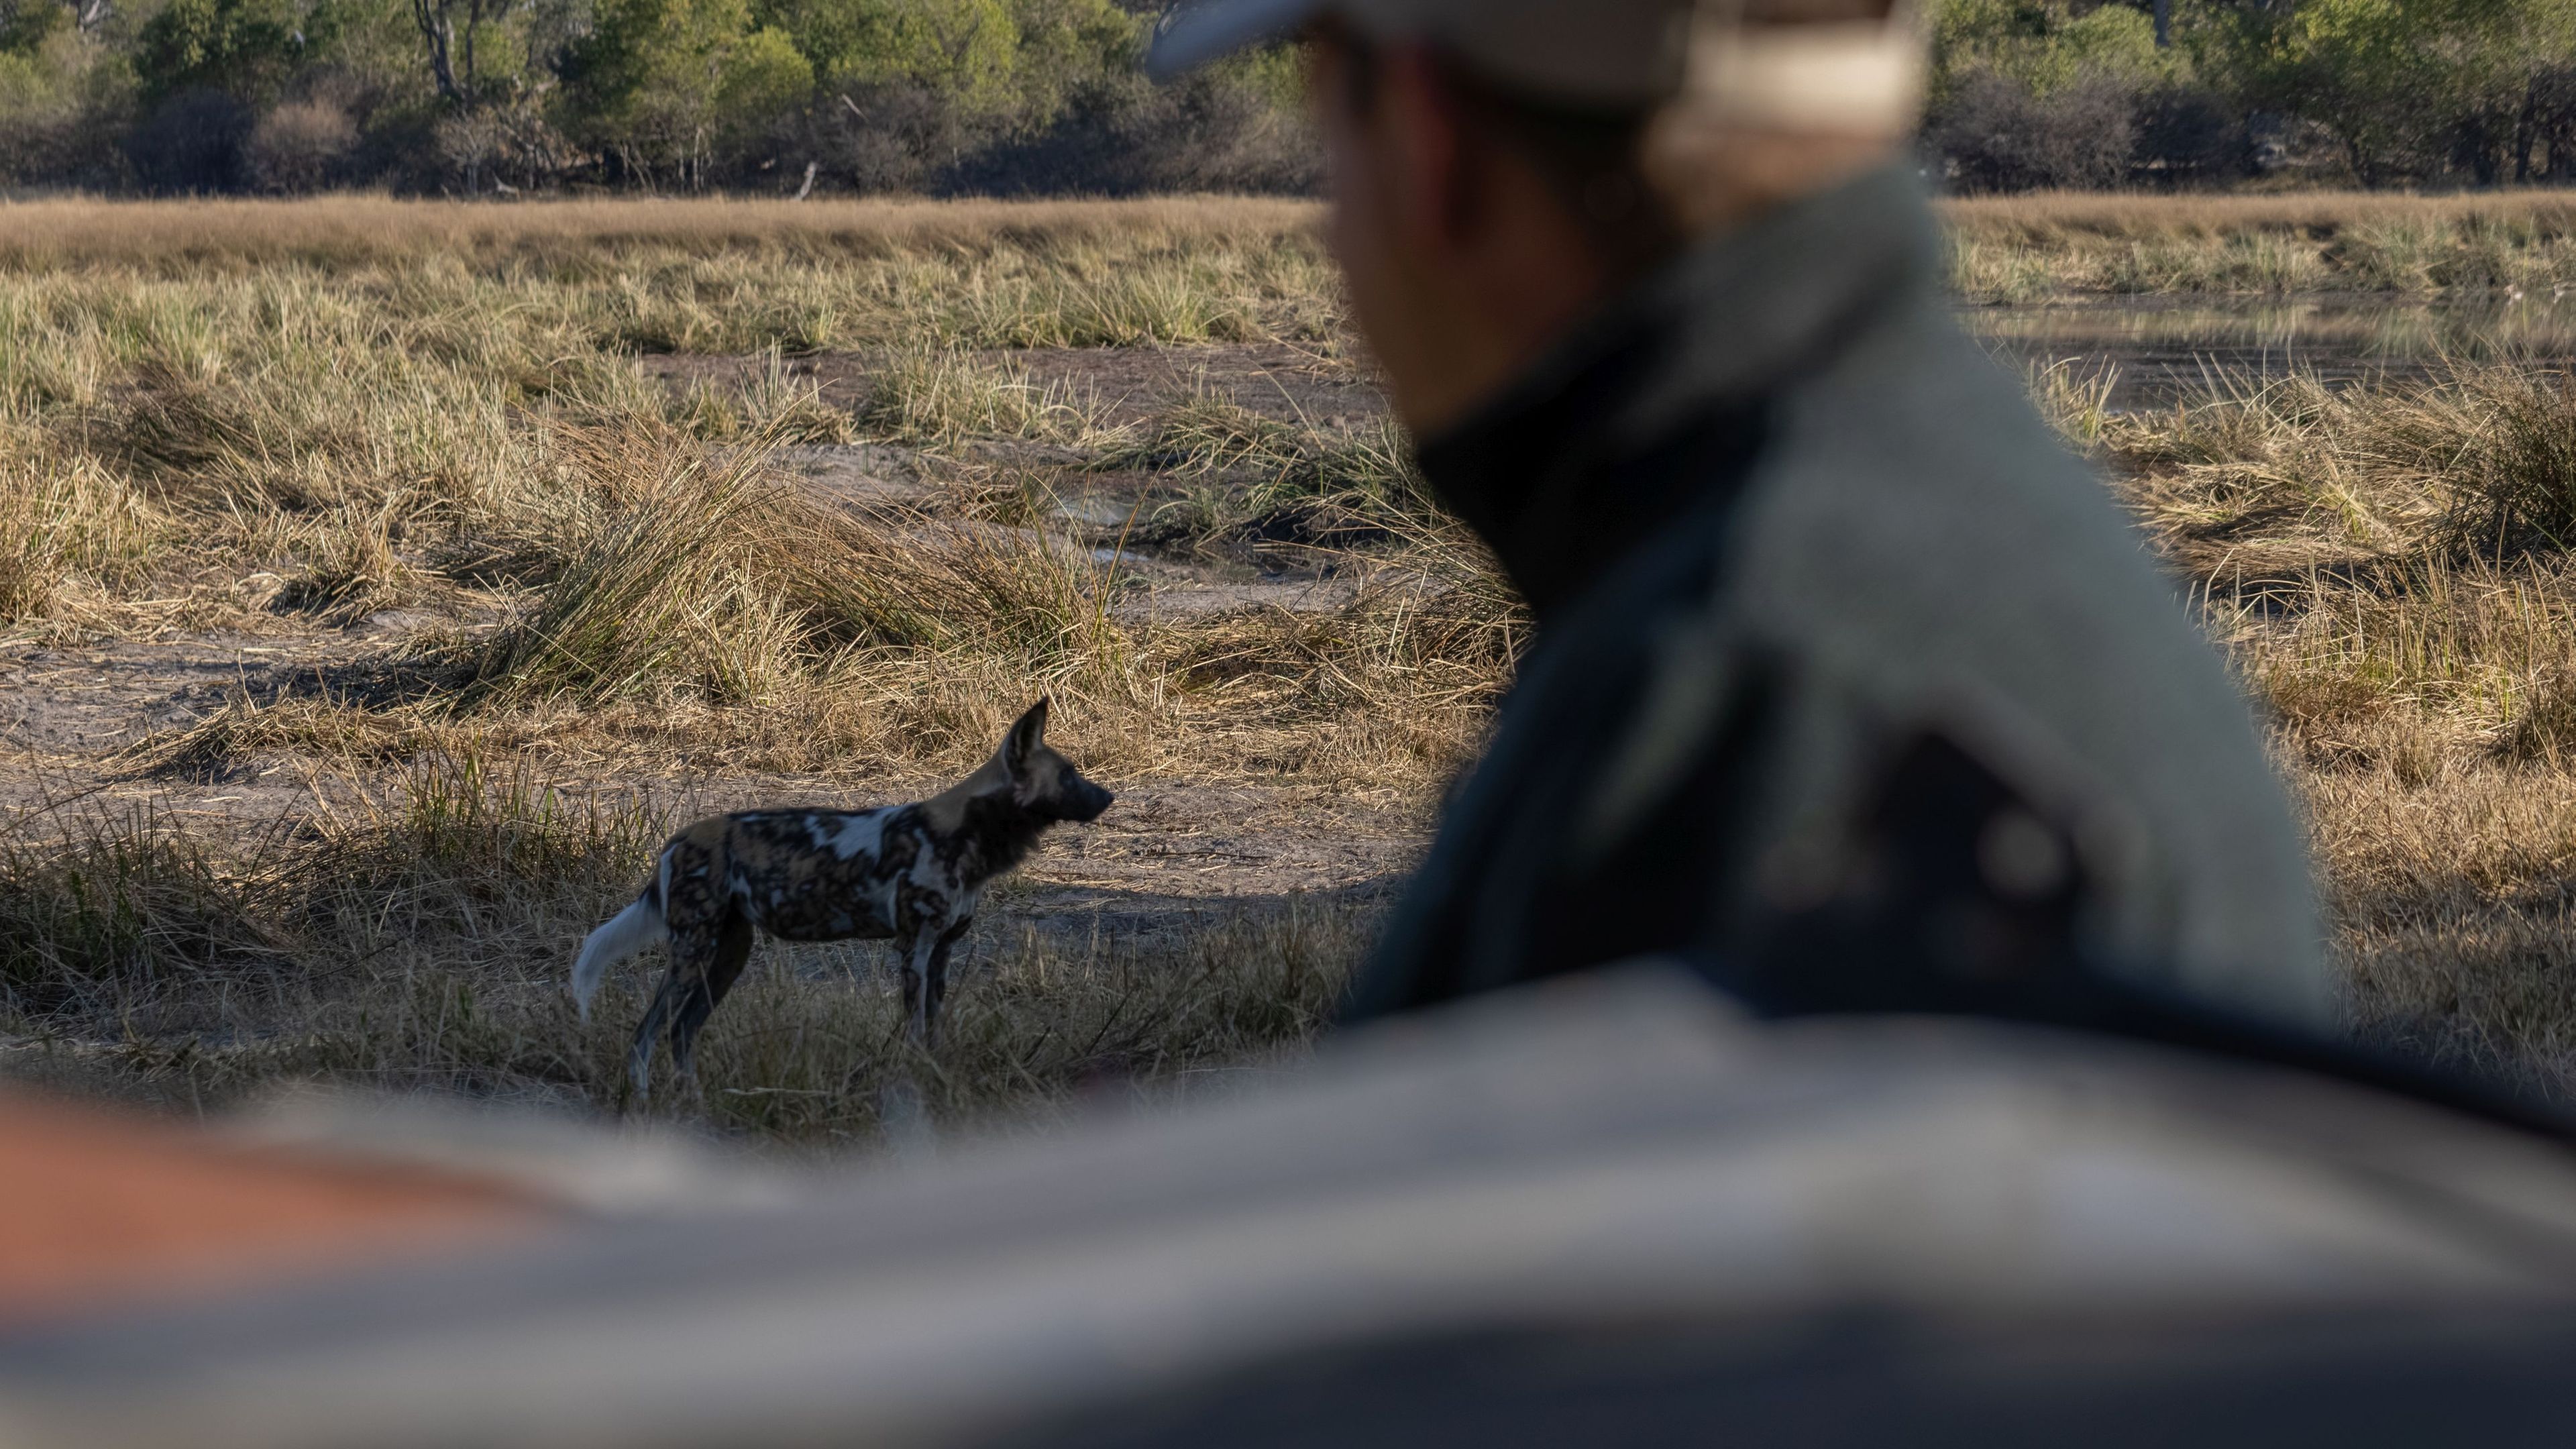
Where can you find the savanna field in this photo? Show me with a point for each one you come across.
(380, 582)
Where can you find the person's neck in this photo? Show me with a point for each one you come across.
(1662, 396)
(1484, 321)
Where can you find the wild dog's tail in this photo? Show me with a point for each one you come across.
(629, 931)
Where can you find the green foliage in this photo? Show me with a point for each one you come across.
(669, 83)
(25, 25)
(62, 101)
(1035, 95)
(1066, 45)
(965, 49)
(1016, 59)
(2405, 89)
(27, 81)
(2045, 45)
(374, 43)
(242, 47)
(2405, 86)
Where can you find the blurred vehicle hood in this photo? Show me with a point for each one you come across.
(1552, 1191)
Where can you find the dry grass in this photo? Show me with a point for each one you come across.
(346, 229)
(1000, 273)
(285, 422)
(2387, 566)
(337, 231)
(2140, 214)
(2018, 249)
(281, 422)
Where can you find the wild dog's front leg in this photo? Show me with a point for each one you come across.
(935, 979)
(920, 947)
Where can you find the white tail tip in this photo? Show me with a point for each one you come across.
(627, 932)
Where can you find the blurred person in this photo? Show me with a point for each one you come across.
(1850, 687)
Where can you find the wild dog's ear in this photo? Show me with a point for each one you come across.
(1025, 738)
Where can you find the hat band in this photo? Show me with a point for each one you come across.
(1842, 78)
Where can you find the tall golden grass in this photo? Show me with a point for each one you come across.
(2004, 248)
(2022, 249)
(74, 231)
(2038, 215)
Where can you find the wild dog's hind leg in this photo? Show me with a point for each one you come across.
(694, 947)
(732, 949)
(639, 1057)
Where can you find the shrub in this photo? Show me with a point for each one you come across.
(1226, 129)
(2000, 134)
(193, 143)
(2190, 133)
(897, 136)
(63, 99)
(504, 144)
(300, 146)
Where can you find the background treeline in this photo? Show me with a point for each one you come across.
(480, 96)
(2032, 93)
(1004, 96)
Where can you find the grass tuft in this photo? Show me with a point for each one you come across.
(104, 909)
(654, 593)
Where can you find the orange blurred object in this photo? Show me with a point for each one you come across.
(101, 1210)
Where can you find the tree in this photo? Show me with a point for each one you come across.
(451, 48)
(241, 48)
(965, 52)
(2540, 87)
(2409, 87)
(25, 25)
(1011, 60)
(2029, 93)
(667, 84)
(2044, 45)
(63, 98)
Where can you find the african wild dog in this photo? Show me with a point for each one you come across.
(910, 872)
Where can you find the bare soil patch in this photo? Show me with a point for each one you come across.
(1285, 382)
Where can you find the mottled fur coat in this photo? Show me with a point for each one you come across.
(909, 873)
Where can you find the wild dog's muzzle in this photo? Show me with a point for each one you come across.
(1084, 802)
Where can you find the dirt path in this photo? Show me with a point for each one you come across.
(1280, 382)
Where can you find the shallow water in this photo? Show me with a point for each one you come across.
(2164, 348)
